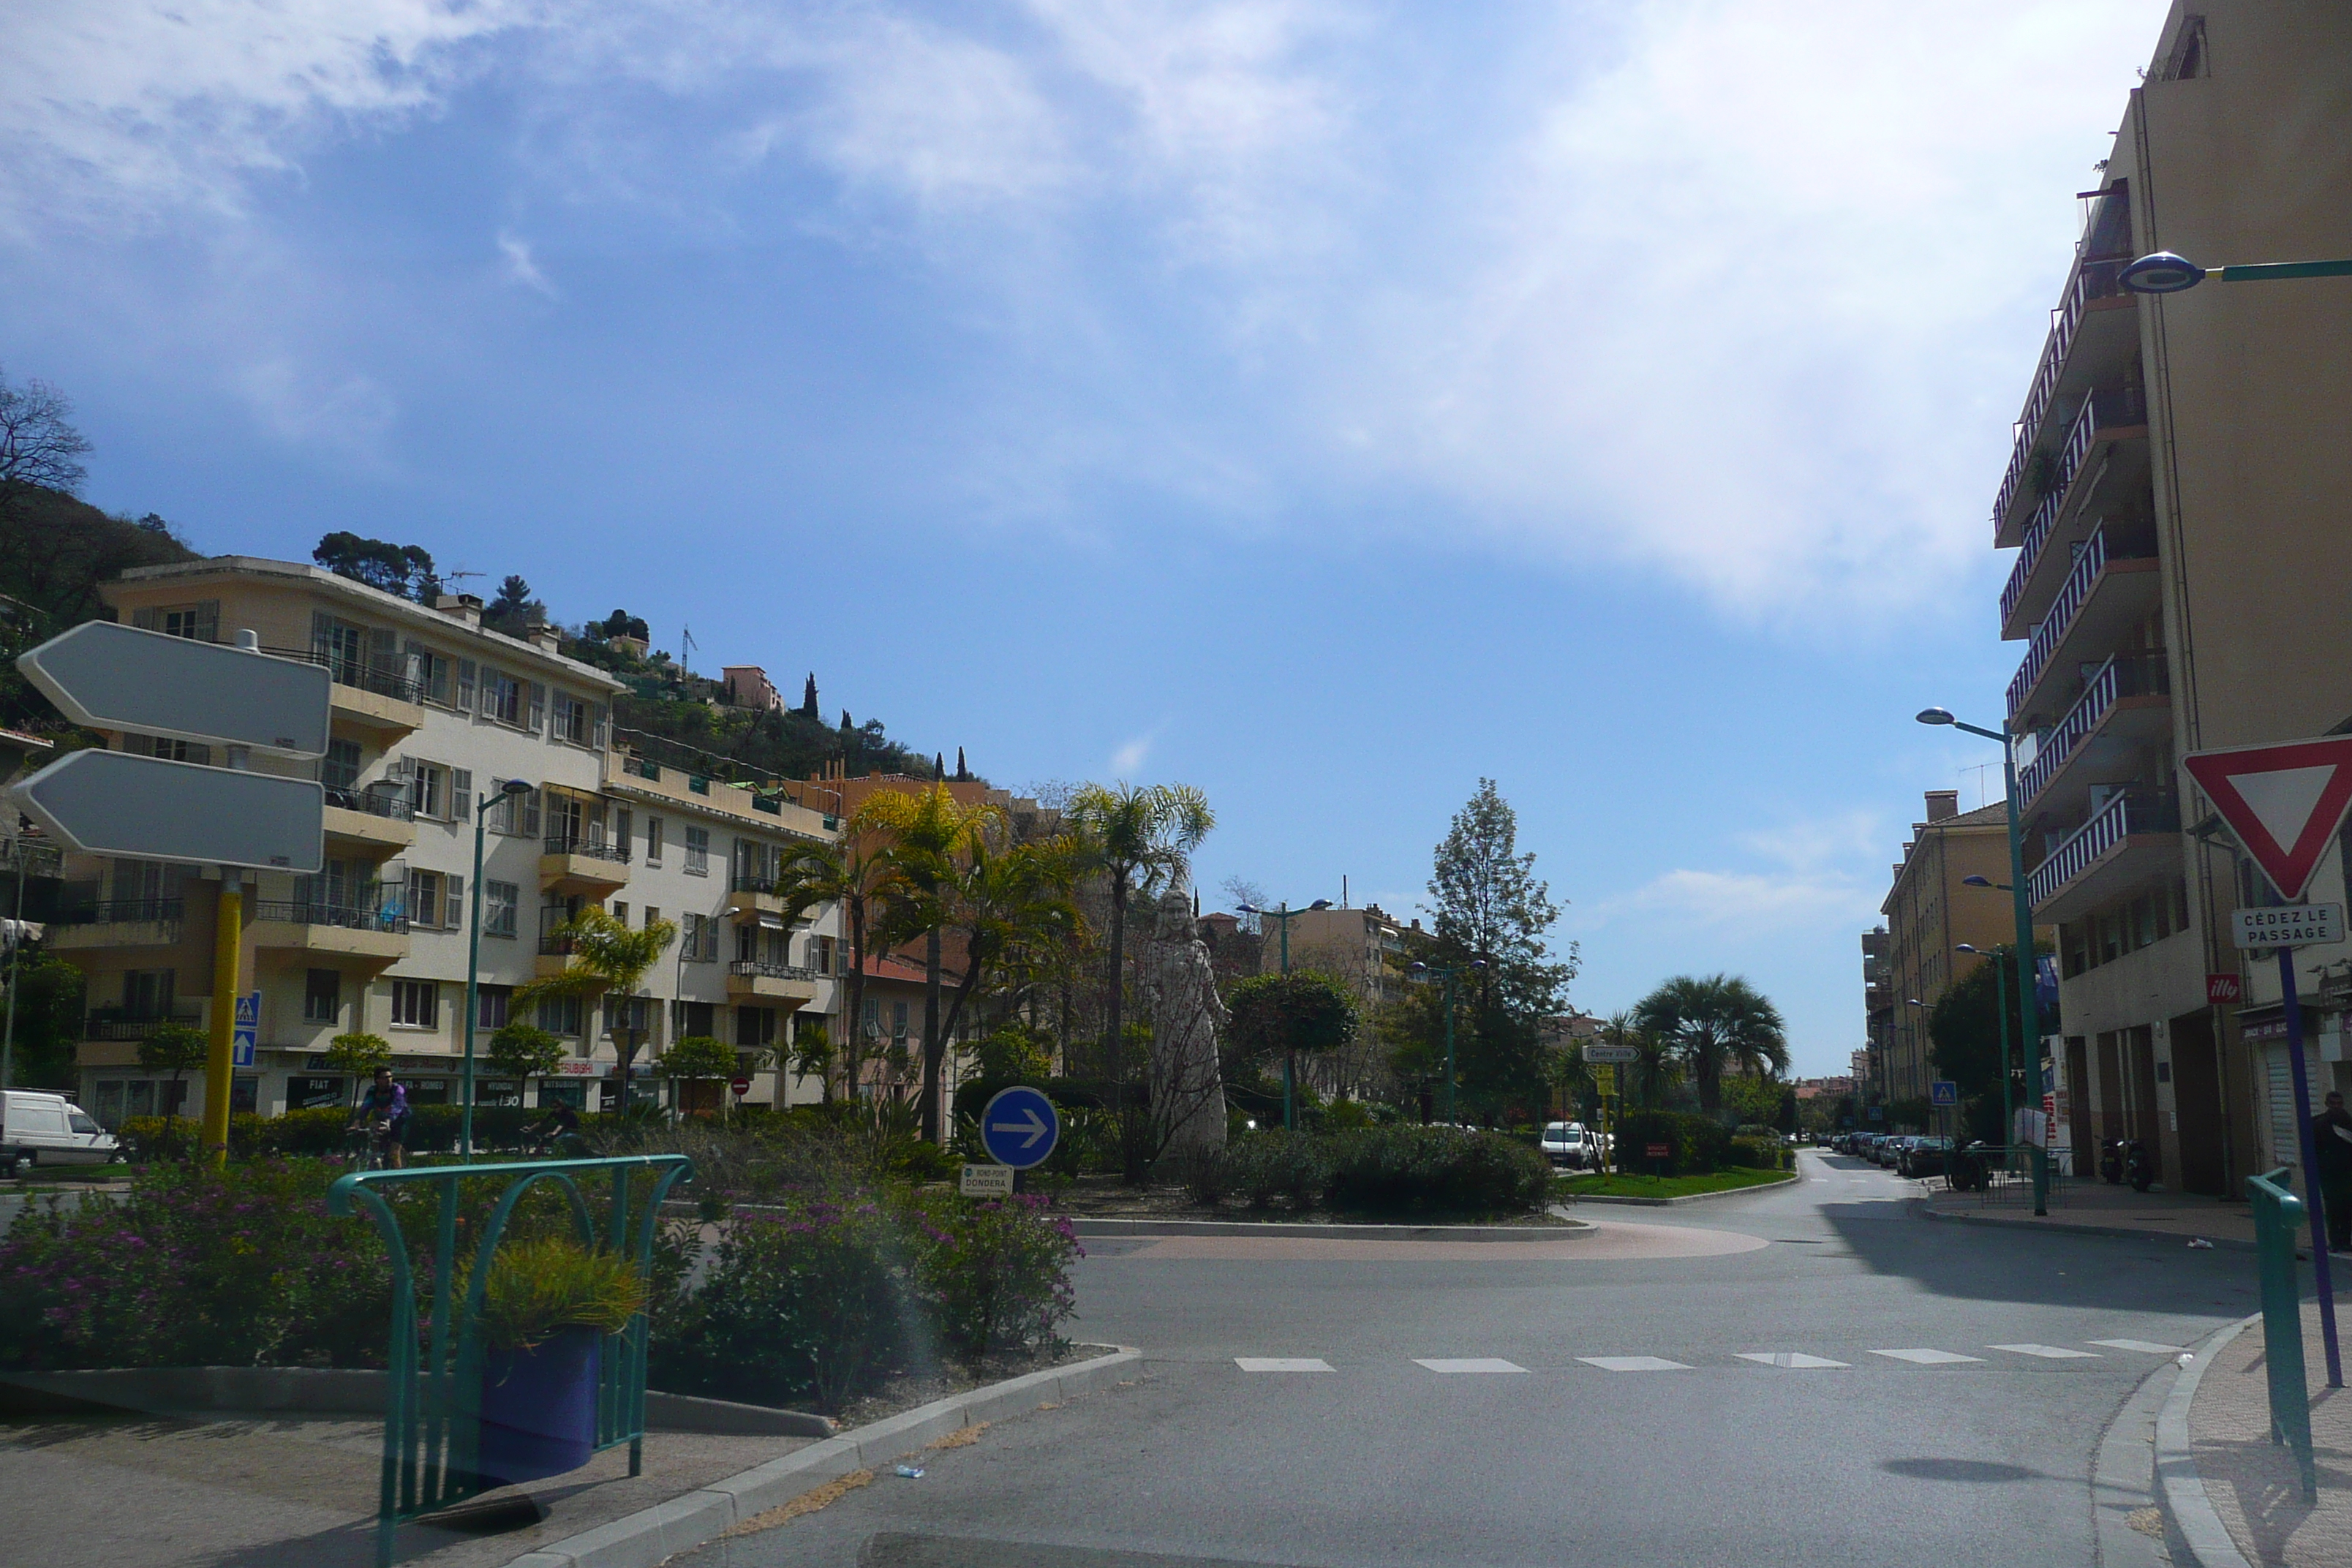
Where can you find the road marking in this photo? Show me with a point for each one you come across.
(1281, 1363)
(2151, 1346)
(2048, 1353)
(1926, 1357)
(1787, 1358)
(1632, 1363)
(1468, 1363)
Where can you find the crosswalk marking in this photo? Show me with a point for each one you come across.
(1928, 1357)
(2151, 1346)
(1632, 1363)
(1787, 1358)
(2048, 1353)
(1468, 1363)
(1281, 1363)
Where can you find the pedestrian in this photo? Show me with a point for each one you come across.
(2331, 1137)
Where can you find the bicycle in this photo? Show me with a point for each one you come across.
(369, 1148)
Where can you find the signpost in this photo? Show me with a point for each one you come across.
(741, 1084)
(1018, 1129)
(2285, 803)
(110, 677)
(1944, 1094)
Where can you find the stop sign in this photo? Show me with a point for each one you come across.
(739, 1084)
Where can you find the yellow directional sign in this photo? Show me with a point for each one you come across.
(1604, 1077)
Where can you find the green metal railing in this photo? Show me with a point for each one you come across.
(2278, 1215)
(2000, 1173)
(432, 1418)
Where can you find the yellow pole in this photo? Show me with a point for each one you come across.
(228, 923)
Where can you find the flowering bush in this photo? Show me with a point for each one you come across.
(195, 1267)
(995, 1274)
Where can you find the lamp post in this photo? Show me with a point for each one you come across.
(1447, 971)
(2029, 1024)
(1285, 914)
(1999, 986)
(2163, 272)
(507, 792)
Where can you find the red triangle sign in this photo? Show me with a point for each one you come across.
(2286, 801)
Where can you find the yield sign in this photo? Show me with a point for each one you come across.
(2286, 801)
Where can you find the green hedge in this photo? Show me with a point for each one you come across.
(1379, 1169)
(1698, 1145)
(431, 1129)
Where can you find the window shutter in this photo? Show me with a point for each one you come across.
(453, 907)
(537, 718)
(208, 621)
(597, 737)
(529, 813)
(461, 795)
(143, 619)
(465, 686)
(322, 632)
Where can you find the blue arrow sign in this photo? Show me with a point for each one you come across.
(1019, 1127)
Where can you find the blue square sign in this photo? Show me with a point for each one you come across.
(246, 1030)
(1943, 1094)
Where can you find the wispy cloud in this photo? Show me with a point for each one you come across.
(519, 267)
(1128, 760)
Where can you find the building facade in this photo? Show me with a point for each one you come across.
(2177, 496)
(430, 714)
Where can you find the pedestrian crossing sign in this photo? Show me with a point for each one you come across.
(1943, 1094)
(246, 1030)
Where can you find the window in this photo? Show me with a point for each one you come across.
(622, 826)
(501, 696)
(494, 1007)
(147, 993)
(572, 720)
(560, 1015)
(755, 1027)
(514, 813)
(461, 795)
(690, 938)
(537, 716)
(465, 703)
(170, 751)
(620, 910)
(898, 1022)
(323, 996)
(653, 915)
(653, 840)
(820, 954)
(424, 899)
(698, 852)
(416, 1004)
(432, 673)
(339, 770)
(198, 622)
(500, 901)
(339, 646)
(696, 1018)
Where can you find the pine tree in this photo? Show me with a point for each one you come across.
(808, 696)
(938, 765)
(964, 774)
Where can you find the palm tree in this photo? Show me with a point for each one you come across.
(930, 837)
(852, 875)
(1717, 1024)
(1141, 839)
(1011, 905)
(608, 959)
(1651, 1075)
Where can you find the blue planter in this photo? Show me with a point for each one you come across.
(538, 1408)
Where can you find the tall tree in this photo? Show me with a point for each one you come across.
(405, 570)
(608, 959)
(808, 696)
(1490, 904)
(851, 874)
(39, 444)
(1718, 1024)
(1139, 837)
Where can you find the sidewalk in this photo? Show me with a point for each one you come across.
(2091, 1205)
(2249, 1480)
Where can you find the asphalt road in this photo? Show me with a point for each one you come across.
(1669, 1448)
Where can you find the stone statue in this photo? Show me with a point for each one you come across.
(1187, 1092)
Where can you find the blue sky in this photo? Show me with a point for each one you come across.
(1325, 403)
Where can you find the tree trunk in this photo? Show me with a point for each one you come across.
(934, 1046)
(852, 1049)
(1114, 1004)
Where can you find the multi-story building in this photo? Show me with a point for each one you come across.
(1878, 1016)
(1366, 947)
(2177, 496)
(1930, 911)
(430, 713)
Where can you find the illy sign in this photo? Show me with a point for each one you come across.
(2225, 990)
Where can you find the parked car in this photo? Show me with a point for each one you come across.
(37, 1129)
(1572, 1145)
(1923, 1157)
(1892, 1150)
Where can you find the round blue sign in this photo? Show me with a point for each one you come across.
(1019, 1127)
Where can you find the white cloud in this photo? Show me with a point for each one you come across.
(1128, 761)
(347, 413)
(519, 267)
(1765, 905)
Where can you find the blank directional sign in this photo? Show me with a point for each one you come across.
(1019, 1127)
(112, 802)
(112, 676)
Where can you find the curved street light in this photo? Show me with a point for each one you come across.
(1286, 915)
(1446, 973)
(2165, 272)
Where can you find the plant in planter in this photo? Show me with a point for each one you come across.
(546, 1308)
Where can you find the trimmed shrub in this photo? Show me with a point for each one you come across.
(995, 1275)
(1756, 1153)
(1264, 1166)
(1697, 1144)
(1434, 1169)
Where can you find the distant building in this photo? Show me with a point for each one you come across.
(748, 686)
(1365, 947)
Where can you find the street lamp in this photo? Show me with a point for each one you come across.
(1447, 971)
(508, 790)
(1285, 914)
(1999, 986)
(2029, 1024)
(2162, 272)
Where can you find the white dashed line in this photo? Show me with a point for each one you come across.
(1468, 1363)
(1632, 1363)
(2151, 1346)
(2047, 1353)
(1281, 1363)
(1926, 1357)
(1787, 1358)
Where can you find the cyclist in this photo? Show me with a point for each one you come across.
(559, 1130)
(384, 1108)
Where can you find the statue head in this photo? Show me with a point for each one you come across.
(1175, 915)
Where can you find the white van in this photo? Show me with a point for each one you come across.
(37, 1129)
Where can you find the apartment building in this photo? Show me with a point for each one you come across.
(430, 712)
(2177, 496)
(1366, 946)
(1930, 911)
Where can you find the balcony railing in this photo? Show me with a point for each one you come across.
(2037, 534)
(370, 916)
(747, 883)
(557, 946)
(124, 911)
(2091, 279)
(755, 968)
(387, 803)
(2126, 812)
(642, 768)
(366, 675)
(2125, 675)
(122, 1024)
(2062, 610)
(589, 847)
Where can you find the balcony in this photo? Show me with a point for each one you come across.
(374, 820)
(2093, 333)
(2131, 840)
(121, 1023)
(753, 898)
(362, 930)
(2095, 609)
(582, 863)
(117, 922)
(2126, 703)
(554, 955)
(368, 694)
(2102, 467)
(752, 980)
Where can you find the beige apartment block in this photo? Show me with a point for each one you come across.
(430, 712)
(1911, 961)
(2177, 500)
(1366, 947)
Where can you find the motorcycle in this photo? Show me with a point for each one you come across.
(1969, 1168)
(2126, 1160)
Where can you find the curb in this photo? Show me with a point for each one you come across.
(650, 1535)
(2202, 1529)
(1166, 1228)
(2120, 1232)
(1687, 1197)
